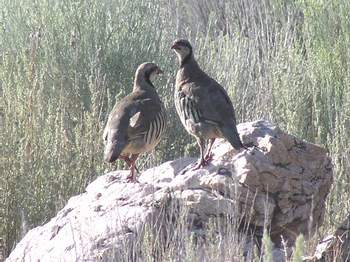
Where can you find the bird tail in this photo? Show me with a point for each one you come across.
(231, 134)
(113, 148)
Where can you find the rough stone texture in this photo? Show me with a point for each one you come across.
(334, 247)
(284, 185)
(2, 250)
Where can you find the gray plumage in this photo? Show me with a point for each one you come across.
(136, 122)
(202, 104)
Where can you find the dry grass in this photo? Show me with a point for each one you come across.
(64, 63)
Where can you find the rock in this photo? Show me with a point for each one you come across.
(2, 250)
(334, 247)
(282, 185)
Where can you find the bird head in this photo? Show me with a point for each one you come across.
(182, 48)
(148, 71)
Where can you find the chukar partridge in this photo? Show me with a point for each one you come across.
(136, 122)
(202, 104)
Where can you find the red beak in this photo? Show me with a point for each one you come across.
(175, 46)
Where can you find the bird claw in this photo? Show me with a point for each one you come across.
(196, 165)
(209, 157)
(200, 164)
(131, 179)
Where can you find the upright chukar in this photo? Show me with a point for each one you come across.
(202, 104)
(136, 122)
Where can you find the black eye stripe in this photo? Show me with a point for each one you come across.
(183, 43)
(150, 71)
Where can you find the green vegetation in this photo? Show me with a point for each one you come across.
(267, 244)
(299, 249)
(63, 64)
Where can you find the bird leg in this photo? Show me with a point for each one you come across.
(209, 155)
(127, 160)
(201, 162)
(132, 176)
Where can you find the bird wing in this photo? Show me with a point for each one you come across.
(129, 119)
(134, 120)
(211, 100)
(200, 93)
(216, 107)
(147, 109)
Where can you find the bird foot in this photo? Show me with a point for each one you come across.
(131, 179)
(209, 157)
(200, 164)
(196, 165)
(251, 146)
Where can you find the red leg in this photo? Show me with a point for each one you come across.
(209, 155)
(201, 162)
(132, 176)
(126, 160)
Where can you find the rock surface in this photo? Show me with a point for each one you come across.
(334, 247)
(283, 184)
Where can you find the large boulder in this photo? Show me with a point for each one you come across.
(335, 247)
(280, 182)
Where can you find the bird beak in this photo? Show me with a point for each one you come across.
(159, 71)
(175, 46)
